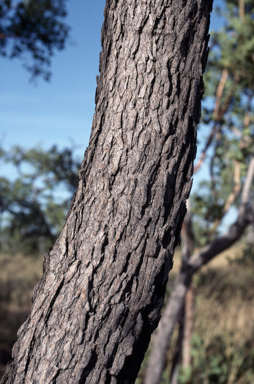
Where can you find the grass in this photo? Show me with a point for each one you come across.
(18, 276)
(223, 335)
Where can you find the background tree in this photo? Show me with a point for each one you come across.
(34, 202)
(35, 29)
(104, 280)
(229, 153)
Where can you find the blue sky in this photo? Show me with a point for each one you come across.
(54, 112)
(62, 109)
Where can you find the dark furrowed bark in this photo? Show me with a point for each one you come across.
(103, 286)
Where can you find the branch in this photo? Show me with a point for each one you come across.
(225, 106)
(247, 184)
(207, 145)
(219, 111)
(236, 190)
(232, 196)
(174, 306)
(241, 10)
(219, 94)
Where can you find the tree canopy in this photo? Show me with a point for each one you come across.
(34, 201)
(227, 117)
(32, 30)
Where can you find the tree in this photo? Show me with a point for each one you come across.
(230, 141)
(104, 281)
(189, 268)
(35, 27)
(31, 212)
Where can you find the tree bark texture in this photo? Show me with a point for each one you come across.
(172, 311)
(103, 285)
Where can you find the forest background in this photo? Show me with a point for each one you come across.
(45, 129)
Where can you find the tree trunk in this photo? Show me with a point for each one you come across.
(186, 318)
(187, 250)
(173, 308)
(103, 285)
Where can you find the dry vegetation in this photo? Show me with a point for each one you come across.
(223, 337)
(18, 275)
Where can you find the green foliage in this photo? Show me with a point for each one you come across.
(33, 205)
(228, 114)
(219, 363)
(35, 27)
(233, 45)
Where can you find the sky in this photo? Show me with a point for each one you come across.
(60, 111)
(53, 112)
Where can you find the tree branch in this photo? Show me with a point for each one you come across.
(241, 10)
(174, 306)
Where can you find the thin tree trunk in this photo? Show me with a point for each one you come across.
(187, 250)
(104, 281)
(186, 318)
(188, 326)
(178, 351)
(191, 265)
(162, 339)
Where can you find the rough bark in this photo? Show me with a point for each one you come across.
(174, 306)
(103, 285)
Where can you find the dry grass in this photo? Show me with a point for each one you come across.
(18, 276)
(225, 302)
(224, 306)
(225, 297)
(224, 320)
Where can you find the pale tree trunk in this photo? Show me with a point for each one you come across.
(104, 281)
(177, 351)
(188, 326)
(186, 320)
(162, 338)
(173, 308)
(189, 299)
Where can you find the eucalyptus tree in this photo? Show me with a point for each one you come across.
(32, 210)
(104, 280)
(32, 30)
(228, 154)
